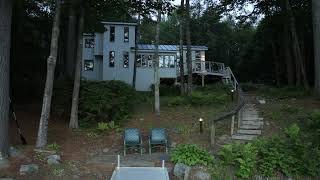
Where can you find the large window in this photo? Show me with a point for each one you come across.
(198, 56)
(144, 60)
(89, 43)
(125, 59)
(126, 34)
(111, 58)
(166, 61)
(88, 65)
(112, 34)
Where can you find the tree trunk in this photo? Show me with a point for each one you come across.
(288, 57)
(316, 38)
(71, 43)
(277, 64)
(77, 77)
(181, 62)
(137, 40)
(51, 64)
(5, 31)
(156, 66)
(188, 37)
(295, 45)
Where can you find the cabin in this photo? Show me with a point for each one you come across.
(115, 55)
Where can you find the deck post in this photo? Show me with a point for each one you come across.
(202, 78)
(232, 125)
(213, 134)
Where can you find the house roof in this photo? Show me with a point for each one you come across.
(168, 48)
(120, 23)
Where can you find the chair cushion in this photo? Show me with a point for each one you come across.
(158, 136)
(131, 136)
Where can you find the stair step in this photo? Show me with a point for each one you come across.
(253, 127)
(254, 123)
(244, 137)
(249, 131)
(252, 119)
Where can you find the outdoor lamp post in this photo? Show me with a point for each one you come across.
(201, 125)
(232, 92)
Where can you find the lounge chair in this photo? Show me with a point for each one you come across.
(158, 138)
(132, 140)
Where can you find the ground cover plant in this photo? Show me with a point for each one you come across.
(295, 152)
(191, 155)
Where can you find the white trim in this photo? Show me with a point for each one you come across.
(119, 23)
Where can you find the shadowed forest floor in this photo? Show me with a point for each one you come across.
(79, 147)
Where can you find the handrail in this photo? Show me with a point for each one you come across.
(232, 78)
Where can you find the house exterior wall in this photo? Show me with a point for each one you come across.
(99, 53)
(98, 44)
(118, 72)
(145, 75)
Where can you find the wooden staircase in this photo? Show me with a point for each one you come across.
(250, 122)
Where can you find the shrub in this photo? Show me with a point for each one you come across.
(105, 100)
(191, 155)
(241, 156)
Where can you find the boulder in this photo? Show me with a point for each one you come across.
(180, 169)
(29, 168)
(53, 159)
(13, 152)
(197, 173)
(4, 163)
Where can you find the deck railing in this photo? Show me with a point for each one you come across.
(229, 75)
(205, 67)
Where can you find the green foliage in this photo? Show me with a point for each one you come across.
(168, 90)
(57, 170)
(40, 156)
(276, 116)
(241, 156)
(215, 94)
(105, 101)
(191, 155)
(53, 147)
(291, 109)
(293, 154)
(102, 126)
(282, 93)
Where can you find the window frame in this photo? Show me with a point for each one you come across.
(125, 65)
(89, 45)
(112, 57)
(126, 37)
(112, 34)
(85, 66)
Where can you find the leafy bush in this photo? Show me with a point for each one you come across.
(105, 100)
(241, 156)
(191, 155)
